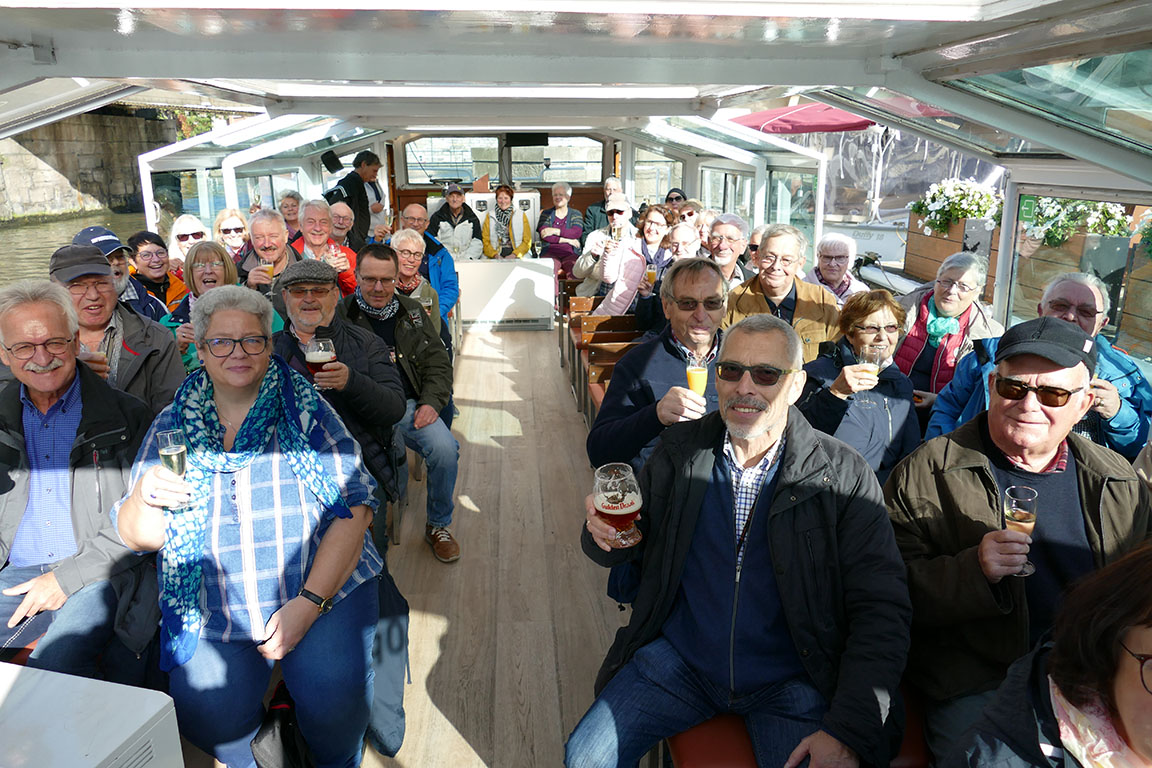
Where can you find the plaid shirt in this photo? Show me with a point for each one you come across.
(1059, 462)
(747, 484)
(688, 354)
(265, 528)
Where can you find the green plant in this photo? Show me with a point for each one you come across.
(1145, 233)
(947, 202)
(1058, 218)
(191, 123)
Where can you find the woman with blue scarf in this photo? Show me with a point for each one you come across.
(944, 318)
(264, 549)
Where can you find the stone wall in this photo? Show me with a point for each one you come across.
(82, 163)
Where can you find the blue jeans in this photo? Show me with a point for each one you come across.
(219, 692)
(441, 454)
(657, 695)
(74, 636)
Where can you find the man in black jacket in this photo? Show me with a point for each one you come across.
(362, 384)
(365, 168)
(426, 373)
(751, 508)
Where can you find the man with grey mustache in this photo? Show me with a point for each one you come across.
(67, 443)
(771, 586)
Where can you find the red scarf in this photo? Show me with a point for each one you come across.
(944, 366)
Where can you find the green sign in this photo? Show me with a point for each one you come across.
(1027, 214)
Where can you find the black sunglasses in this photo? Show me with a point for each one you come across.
(689, 305)
(753, 247)
(673, 199)
(615, 212)
(762, 375)
(1053, 397)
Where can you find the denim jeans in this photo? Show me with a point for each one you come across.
(657, 695)
(219, 692)
(441, 454)
(74, 636)
(945, 722)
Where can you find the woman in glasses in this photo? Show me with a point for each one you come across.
(186, 231)
(834, 256)
(264, 548)
(944, 319)
(209, 266)
(152, 266)
(230, 229)
(853, 391)
(1084, 697)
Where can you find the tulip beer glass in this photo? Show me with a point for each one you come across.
(616, 497)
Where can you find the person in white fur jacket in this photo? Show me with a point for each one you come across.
(456, 225)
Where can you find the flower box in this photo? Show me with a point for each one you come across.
(924, 254)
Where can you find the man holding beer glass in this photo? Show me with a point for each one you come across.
(771, 586)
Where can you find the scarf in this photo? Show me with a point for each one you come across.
(408, 288)
(661, 258)
(1089, 735)
(938, 326)
(840, 289)
(287, 406)
(503, 220)
(948, 352)
(386, 312)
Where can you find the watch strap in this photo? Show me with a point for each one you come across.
(323, 604)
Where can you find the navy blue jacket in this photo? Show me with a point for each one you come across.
(627, 428)
(879, 423)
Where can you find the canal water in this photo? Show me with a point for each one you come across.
(26, 248)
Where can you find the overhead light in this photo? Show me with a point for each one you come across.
(125, 21)
(497, 128)
(646, 92)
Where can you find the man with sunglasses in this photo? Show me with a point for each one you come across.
(618, 232)
(132, 353)
(770, 586)
(1122, 398)
(809, 309)
(976, 612)
(675, 198)
(67, 443)
(596, 217)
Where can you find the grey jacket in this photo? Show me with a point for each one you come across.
(150, 364)
(112, 426)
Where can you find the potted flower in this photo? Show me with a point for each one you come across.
(952, 201)
(1058, 219)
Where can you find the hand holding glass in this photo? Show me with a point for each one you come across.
(173, 452)
(616, 496)
(1020, 515)
(697, 375)
(318, 353)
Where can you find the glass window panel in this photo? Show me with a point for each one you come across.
(792, 200)
(655, 174)
(1061, 234)
(1107, 95)
(574, 159)
(452, 157)
(712, 188)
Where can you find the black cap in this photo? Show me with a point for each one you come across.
(677, 191)
(73, 261)
(101, 237)
(1060, 341)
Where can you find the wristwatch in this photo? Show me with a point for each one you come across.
(323, 604)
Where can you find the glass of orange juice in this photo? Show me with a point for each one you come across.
(697, 375)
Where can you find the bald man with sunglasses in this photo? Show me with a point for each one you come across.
(975, 611)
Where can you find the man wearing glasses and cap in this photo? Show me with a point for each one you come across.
(130, 290)
(675, 198)
(770, 583)
(1122, 399)
(977, 608)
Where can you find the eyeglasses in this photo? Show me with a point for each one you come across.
(872, 330)
(768, 259)
(673, 199)
(25, 350)
(193, 235)
(1053, 397)
(689, 305)
(833, 259)
(231, 230)
(252, 345)
(202, 266)
(81, 289)
(762, 375)
(946, 285)
(1143, 658)
(159, 255)
(409, 254)
(725, 238)
(299, 291)
(615, 212)
(688, 214)
(415, 219)
(676, 247)
(753, 247)
(1061, 307)
(374, 282)
(341, 219)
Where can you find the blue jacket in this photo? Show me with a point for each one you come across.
(136, 296)
(967, 395)
(879, 423)
(627, 428)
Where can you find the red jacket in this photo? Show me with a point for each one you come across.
(346, 279)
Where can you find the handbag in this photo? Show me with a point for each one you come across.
(279, 743)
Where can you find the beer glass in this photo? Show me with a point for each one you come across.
(697, 375)
(873, 357)
(650, 274)
(317, 354)
(1020, 515)
(616, 497)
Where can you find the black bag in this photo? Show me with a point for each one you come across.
(279, 743)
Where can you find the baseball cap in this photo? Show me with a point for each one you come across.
(1054, 339)
(101, 237)
(618, 202)
(306, 271)
(453, 188)
(73, 261)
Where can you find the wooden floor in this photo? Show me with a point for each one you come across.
(506, 642)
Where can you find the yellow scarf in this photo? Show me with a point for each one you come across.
(1089, 735)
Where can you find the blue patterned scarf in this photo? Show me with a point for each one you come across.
(287, 406)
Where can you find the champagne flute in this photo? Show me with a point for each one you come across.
(173, 452)
(317, 354)
(616, 497)
(873, 357)
(1020, 515)
(697, 375)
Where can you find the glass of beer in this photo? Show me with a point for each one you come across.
(697, 375)
(650, 274)
(317, 354)
(616, 496)
(426, 302)
(872, 357)
(1020, 515)
(173, 450)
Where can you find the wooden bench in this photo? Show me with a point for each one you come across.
(596, 330)
(602, 358)
(567, 290)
